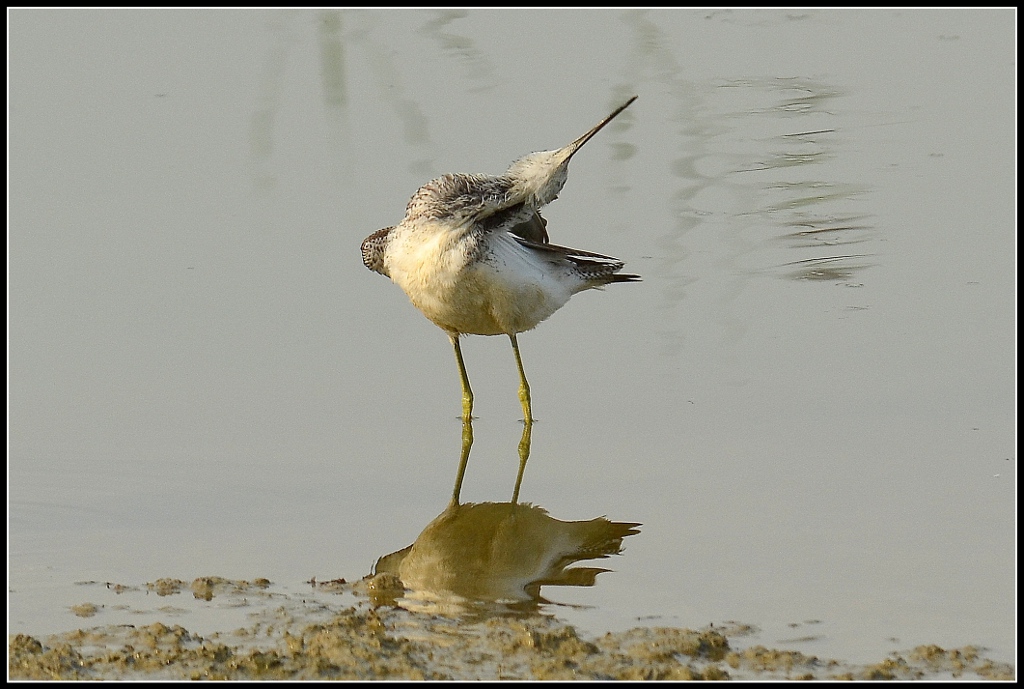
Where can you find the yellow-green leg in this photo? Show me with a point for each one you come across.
(524, 387)
(467, 444)
(467, 393)
(524, 399)
(524, 454)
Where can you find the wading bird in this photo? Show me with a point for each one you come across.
(472, 253)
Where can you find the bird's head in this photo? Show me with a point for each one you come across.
(537, 178)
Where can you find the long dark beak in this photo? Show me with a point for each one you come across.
(578, 143)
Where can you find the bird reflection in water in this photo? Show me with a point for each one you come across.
(495, 556)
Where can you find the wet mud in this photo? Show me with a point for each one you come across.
(359, 630)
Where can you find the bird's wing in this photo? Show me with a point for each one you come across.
(597, 269)
(466, 199)
(373, 250)
(483, 202)
(565, 251)
(533, 229)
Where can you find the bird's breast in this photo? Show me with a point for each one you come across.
(477, 284)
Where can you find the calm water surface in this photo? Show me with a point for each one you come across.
(809, 402)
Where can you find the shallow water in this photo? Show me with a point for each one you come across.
(809, 403)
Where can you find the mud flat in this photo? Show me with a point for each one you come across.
(313, 636)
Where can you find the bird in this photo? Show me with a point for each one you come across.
(472, 253)
(500, 551)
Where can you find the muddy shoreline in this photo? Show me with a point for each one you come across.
(296, 637)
